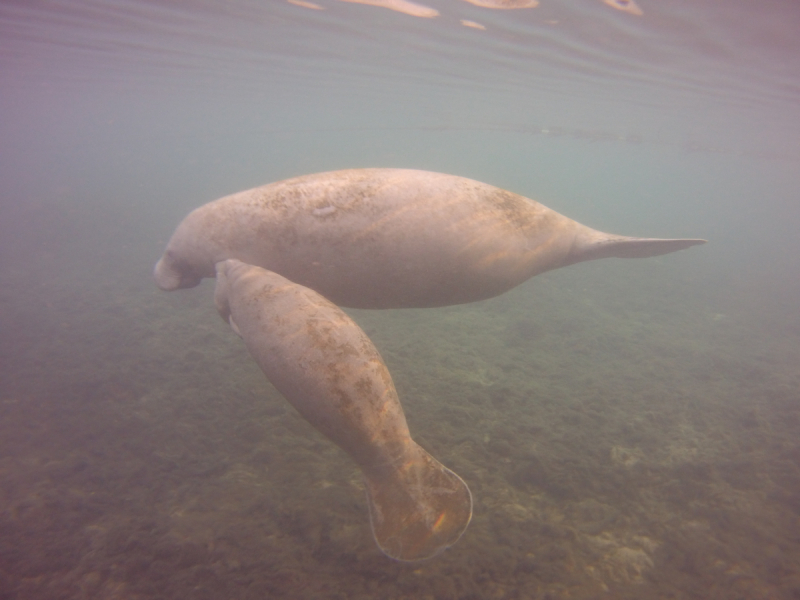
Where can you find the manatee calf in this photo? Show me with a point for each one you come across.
(389, 238)
(330, 371)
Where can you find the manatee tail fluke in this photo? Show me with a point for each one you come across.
(418, 508)
(591, 244)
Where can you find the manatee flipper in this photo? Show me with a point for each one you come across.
(234, 326)
(591, 244)
(418, 509)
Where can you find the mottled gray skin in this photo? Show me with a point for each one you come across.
(329, 370)
(389, 238)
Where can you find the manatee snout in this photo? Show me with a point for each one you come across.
(171, 275)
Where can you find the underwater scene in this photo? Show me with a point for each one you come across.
(588, 416)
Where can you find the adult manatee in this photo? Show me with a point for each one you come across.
(390, 238)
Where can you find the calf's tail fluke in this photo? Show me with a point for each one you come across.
(418, 507)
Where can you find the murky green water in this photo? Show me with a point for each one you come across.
(629, 429)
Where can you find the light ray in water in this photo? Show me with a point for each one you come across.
(472, 24)
(628, 6)
(305, 4)
(403, 6)
(505, 4)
